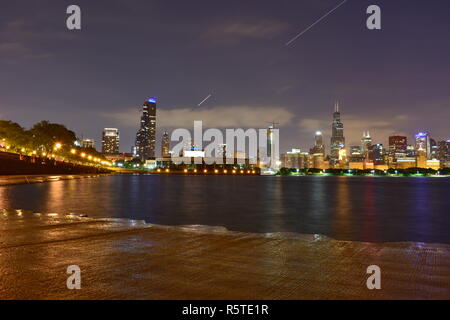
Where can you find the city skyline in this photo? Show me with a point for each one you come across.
(195, 154)
(228, 58)
(337, 141)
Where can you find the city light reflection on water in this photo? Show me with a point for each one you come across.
(348, 208)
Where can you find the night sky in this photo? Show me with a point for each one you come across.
(393, 80)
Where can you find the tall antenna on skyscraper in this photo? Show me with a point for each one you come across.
(336, 106)
(273, 123)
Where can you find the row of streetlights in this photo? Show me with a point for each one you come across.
(58, 146)
(216, 171)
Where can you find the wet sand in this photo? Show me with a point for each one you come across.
(121, 259)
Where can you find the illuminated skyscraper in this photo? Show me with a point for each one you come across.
(366, 145)
(356, 154)
(146, 135)
(110, 141)
(165, 145)
(292, 159)
(269, 140)
(319, 148)
(443, 150)
(423, 143)
(337, 136)
(378, 153)
(273, 156)
(397, 147)
(433, 149)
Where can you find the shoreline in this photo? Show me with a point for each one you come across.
(6, 180)
(154, 262)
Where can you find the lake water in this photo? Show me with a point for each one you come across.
(346, 208)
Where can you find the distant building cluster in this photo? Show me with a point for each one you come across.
(424, 152)
(145, 143)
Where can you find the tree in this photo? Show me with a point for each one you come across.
(14, 134)
(45, 134)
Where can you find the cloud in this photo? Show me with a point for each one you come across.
(354, 126)
(218, 117)
(23, 39)
(234, 31)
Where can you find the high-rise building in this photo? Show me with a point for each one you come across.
(366, 145)
(410, 151)
(292, 159)
(378, 153)
(444, 153)
(356, 154)
(443, 150)
(319, 147)
(337, 136)
(423, 143)
(433, 149)
(88, 143)
(397, 148)
(110, 141)
(165, 145)
(272, 147)
(146, 135)
(421, 159)
(269, 140)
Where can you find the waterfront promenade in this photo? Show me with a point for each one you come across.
(121, 259)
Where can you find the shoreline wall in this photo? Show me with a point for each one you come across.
(15, 164)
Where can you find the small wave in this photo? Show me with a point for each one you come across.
(207, 229)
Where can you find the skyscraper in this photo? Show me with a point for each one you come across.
(269, 140)
(356, 154)
(378, 153)
(397, 147)
(272, 153)
(337, 136)
(443, 150)
(423, 143)
(366, 145)
(433, 149)
(318, 148)
(110, 141)
(146, 135)
(165, 145)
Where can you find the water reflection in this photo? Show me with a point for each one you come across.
(358, 208)
(4, 198)
(341, 223)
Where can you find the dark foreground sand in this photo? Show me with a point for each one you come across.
(130, 260)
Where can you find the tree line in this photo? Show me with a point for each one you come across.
(41, 137)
